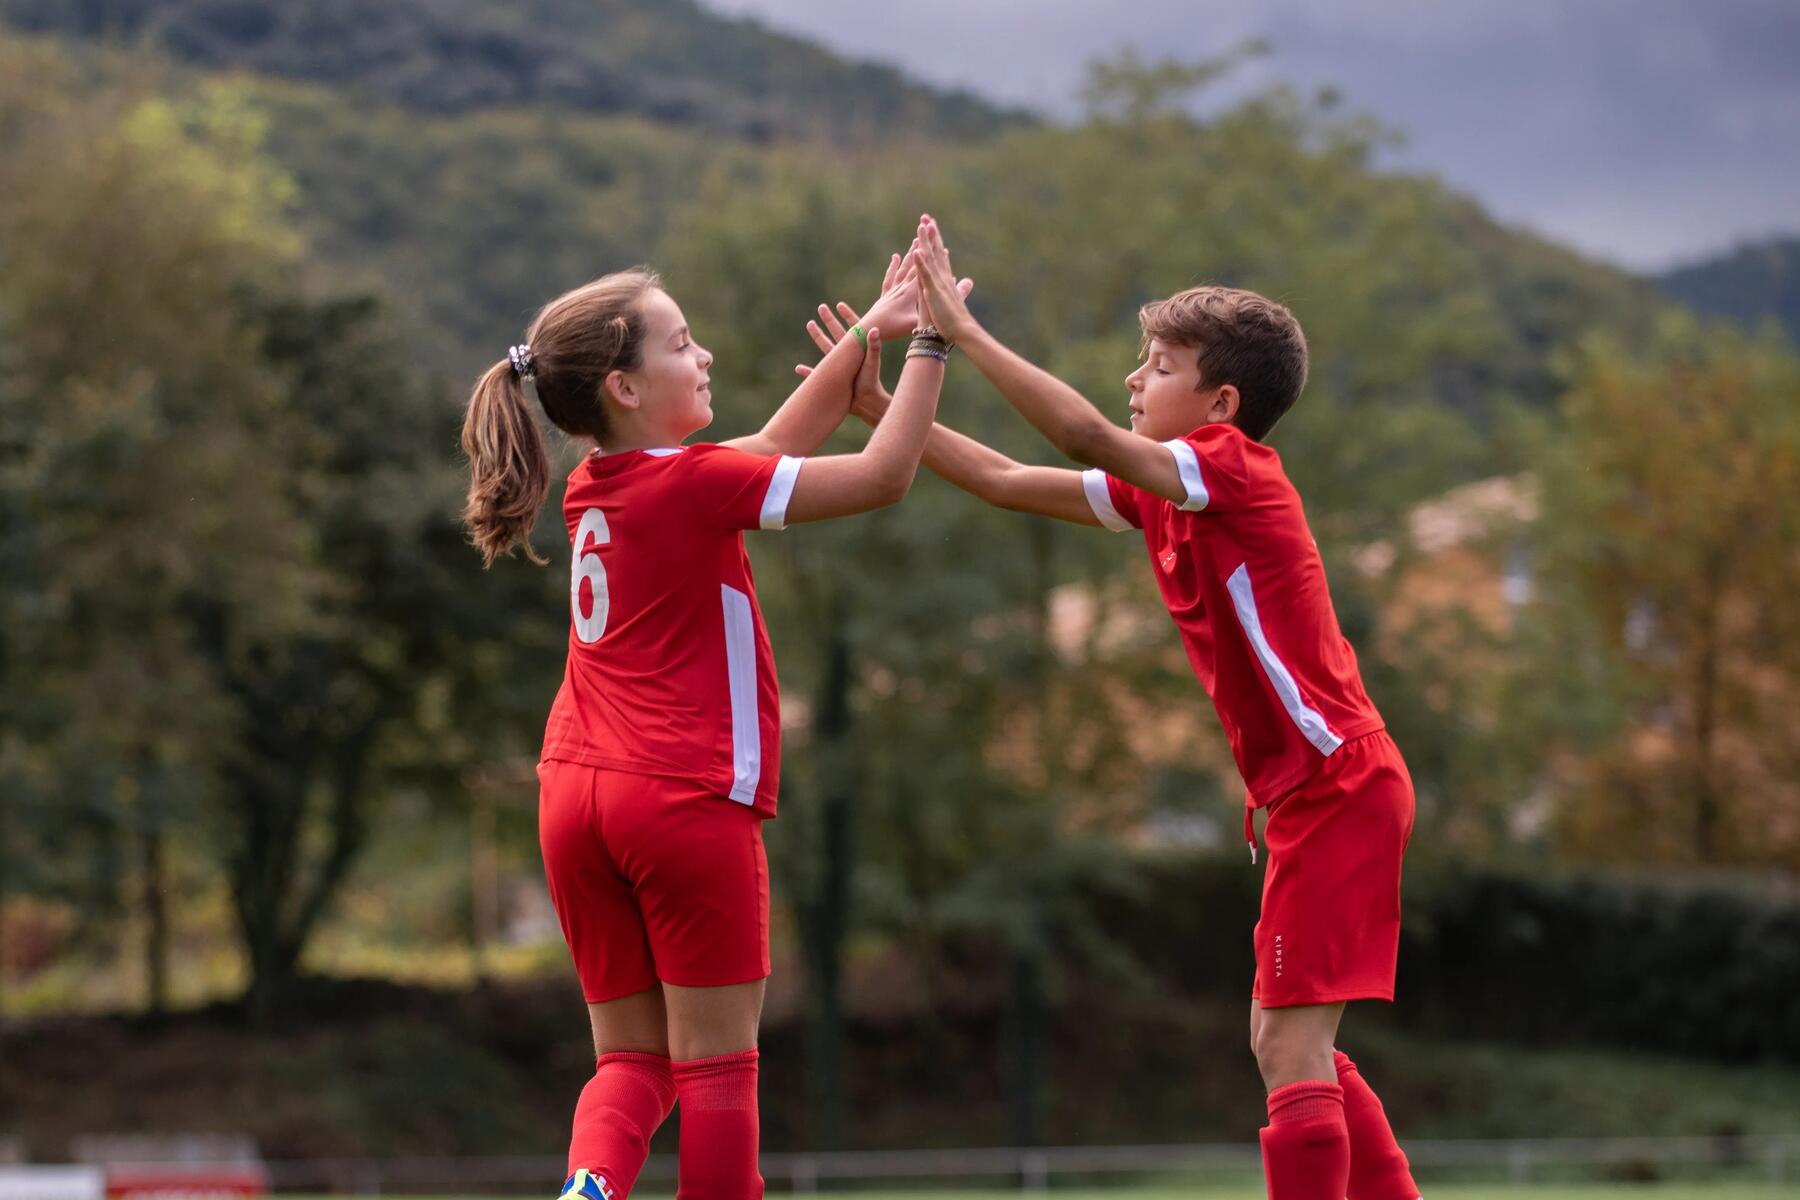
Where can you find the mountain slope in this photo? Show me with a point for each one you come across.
(1750, 285)
(468, 219)
(669, 60)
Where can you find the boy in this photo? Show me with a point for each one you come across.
(1241, 576)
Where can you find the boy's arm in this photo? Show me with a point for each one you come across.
(1073, 425)
(980, 470)
(985, 472)
(989, 475)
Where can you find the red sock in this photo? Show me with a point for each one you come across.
(1305, 1146)
(621, 1106)
(718, 1128)
(1378, 1167)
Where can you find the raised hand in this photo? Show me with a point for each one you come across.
(939, 291)
(827, 332)
(893, 311)
(829, 329)
(869, 400)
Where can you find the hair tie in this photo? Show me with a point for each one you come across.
(524, 364)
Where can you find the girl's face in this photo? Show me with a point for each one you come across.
(669, 391)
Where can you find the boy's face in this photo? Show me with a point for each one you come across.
(1166, 398)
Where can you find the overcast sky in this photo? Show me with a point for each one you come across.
(1647, 132)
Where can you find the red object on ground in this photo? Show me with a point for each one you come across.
(178, 1181)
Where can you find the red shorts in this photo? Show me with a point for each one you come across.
(654, 879)
(1330, 927)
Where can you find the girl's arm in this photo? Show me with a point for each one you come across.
(818, 406)
(844, 484)
(989, 475)
(978, 469)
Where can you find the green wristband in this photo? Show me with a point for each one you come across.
(860, 334)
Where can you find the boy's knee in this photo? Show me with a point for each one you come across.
(1287, 1052)
(1271, 1044)
(1267, 1045)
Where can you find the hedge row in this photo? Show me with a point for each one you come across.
(1706, 969)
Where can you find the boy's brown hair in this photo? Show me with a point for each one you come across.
(1243, 339)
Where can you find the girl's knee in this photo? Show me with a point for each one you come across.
(708, 1022)
(635, 1024)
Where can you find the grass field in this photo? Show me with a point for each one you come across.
(1663, 1191)
(1668, 1191)
(1254, 1191)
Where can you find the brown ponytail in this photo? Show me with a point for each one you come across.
(577, 340)
(509, 466)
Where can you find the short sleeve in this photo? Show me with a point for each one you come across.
(1213, 468)
(1114, 501)
(740, 490)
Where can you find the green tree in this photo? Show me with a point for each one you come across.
(410, 673)
(1667, 543)
(242, 611)
(133, 405)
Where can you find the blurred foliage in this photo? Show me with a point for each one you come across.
(1667, 554)
(132, 387)
(228, 626)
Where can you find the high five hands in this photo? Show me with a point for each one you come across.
(894, 310)
(943, 294)
(901, 293)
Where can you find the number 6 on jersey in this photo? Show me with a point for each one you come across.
(589, 567)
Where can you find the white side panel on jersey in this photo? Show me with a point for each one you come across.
(1310, 720)
(740, 666)
(1188, 463)
(1093, 482)
(781, 491)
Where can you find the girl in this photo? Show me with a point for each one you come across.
(661, 754)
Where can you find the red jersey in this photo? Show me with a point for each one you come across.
(670, 671)
(1241, 575)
